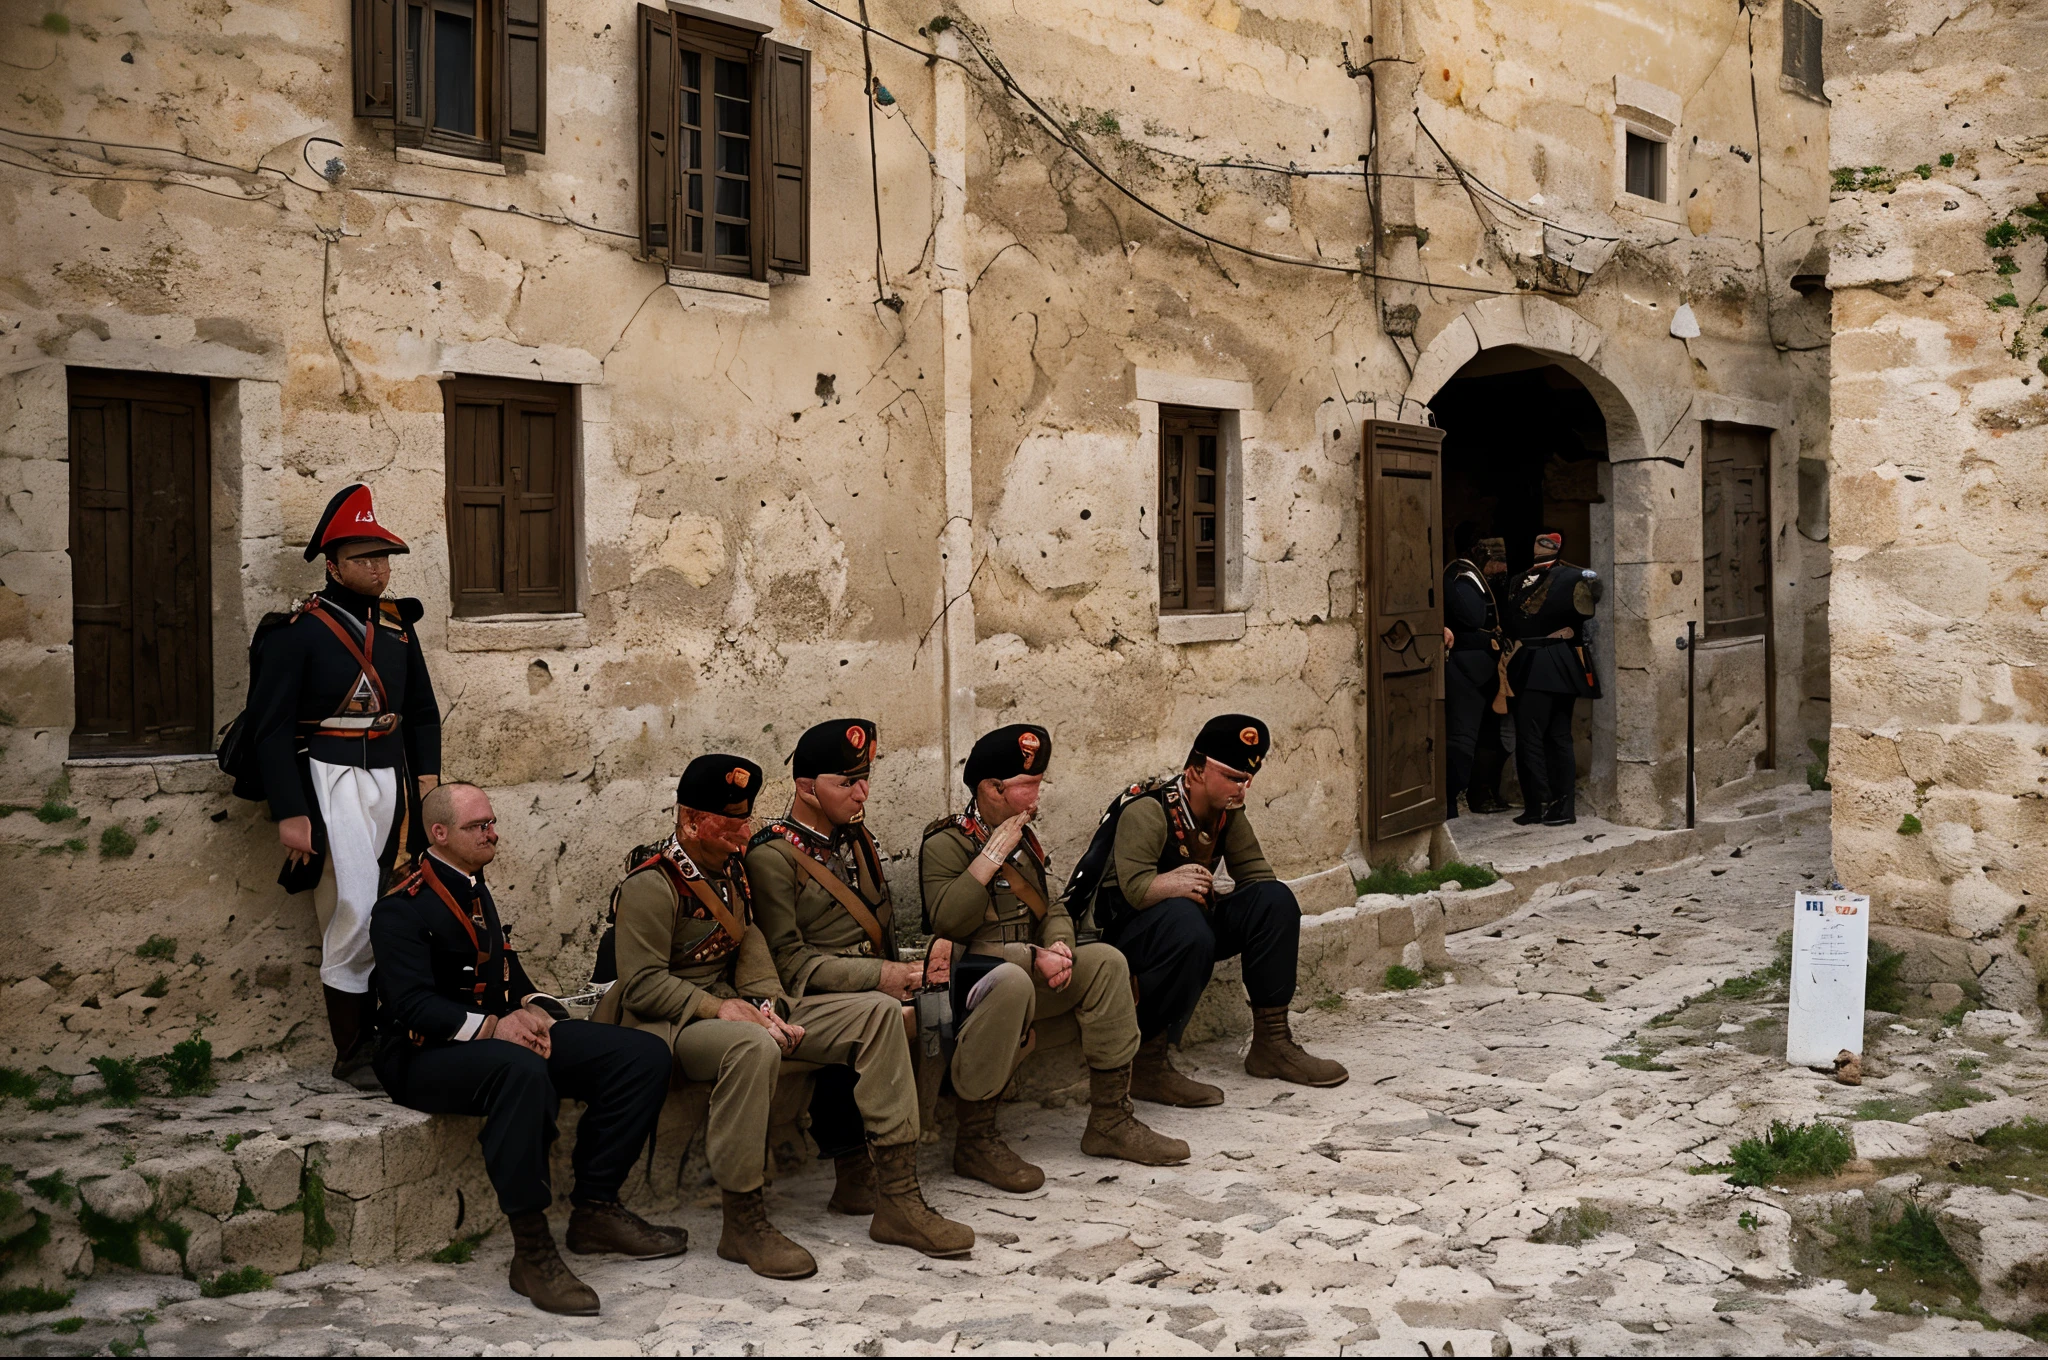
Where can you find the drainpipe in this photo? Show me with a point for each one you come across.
(956, 365)
(1387, 81)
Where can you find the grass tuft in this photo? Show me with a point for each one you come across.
(1392, 878)
(1909, 825)
(188, 1067)
(162, 947)
(55, 810)
(17, 1084)
(247, 1280)
(1788, 1152)
(1401, 978)
(1569, 1227)
(457, 1253)
(1639, 1062)
(33, 1299)
(1882, 990)
(159, 988)
(123, 1077)
(116, 843)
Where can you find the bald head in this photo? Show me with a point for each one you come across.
(460, 825)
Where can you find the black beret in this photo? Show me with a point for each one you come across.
(843, 746)
(1234, 739)
(726, 785)
(1020, 748)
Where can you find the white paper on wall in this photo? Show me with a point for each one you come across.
(1830, 947)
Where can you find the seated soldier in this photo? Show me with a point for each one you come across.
(1158, 904)
(824, 907)
(682, 915)
(463, 1036)
(1012, 959)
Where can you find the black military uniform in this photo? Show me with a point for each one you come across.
(343, 721)
(1482, 789)
(1471, 670)
(1551, 670)
(443, 969)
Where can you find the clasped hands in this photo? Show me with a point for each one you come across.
(786, 1035)
(528, 1027)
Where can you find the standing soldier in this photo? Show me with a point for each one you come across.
(1158, 903)
(825, 910)
(347, 738)
(1012, 959)
(682, 915)
(469, 1034)
(1547, 612)
(1482, 790)
(1471, 662)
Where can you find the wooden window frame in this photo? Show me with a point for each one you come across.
(138, 389)
(394, 81)
(511, 395)
(1181, 511)
(1660, 164)
(779, 148)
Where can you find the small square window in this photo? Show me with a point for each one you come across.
(1645, 167)
(1802, 60)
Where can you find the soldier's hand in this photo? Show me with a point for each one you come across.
(1055, 964)
(1450, 639)
(938, 963)
(1008, 836)
(786, 1034)
(742, 1013)
(520, 1027)
(296, 833)
(1189, 880)
(900, 980)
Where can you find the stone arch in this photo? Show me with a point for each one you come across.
(1626, 785)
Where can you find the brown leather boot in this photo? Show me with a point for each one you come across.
(902, 1218)
(853, 1186)
(750, 1238)
(1114, 1131)
(538, 1272)
(613, 1227)
(1275, 1054)
(979, 1152)
(1154, 1078)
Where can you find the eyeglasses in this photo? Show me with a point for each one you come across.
(487, 824)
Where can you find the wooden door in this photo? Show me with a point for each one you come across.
(1403, 618)
(1735, 552)
(142, 612)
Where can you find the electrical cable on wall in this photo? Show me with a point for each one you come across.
(871, 90)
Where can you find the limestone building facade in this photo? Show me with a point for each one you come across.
(858, 376)
(1939, 229)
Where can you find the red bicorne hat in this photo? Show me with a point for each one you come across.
(350, 518)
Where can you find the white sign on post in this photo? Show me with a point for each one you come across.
(1830, 947)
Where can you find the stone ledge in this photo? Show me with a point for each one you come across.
(1181, 629)
(519, 633)
(441, 160)
(141, 776)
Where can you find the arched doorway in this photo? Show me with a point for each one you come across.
(1525, 447)
(1558, 397)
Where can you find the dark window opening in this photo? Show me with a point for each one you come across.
(512, 502)
(1190, 499)
(455, 82)
(141, 579)
(1645, 167)
(1802, 59)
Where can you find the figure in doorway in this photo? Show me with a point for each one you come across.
(1548, 609)
(1471, 660)
(1490, 757)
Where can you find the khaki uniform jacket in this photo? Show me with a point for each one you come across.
(675, 965)
(817, 945)
(1142, 851)
(987, 918)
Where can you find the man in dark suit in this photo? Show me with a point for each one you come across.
(465, 1032)
(1471, 660)
(1548, 608)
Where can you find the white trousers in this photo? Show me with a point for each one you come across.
(358, 807)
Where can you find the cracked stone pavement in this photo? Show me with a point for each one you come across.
(1391, 1215)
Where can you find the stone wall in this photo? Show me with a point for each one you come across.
(1940, 401)
(815, 503)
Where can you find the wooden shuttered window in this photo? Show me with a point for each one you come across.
(1190, 509)
(142, 609)
(725, 145)
(512, 503)
(1735, 531)
(1802, 59)
(468, 77)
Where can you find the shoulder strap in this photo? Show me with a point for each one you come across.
(361, 654)
(843, 895)
(1026, 894)
(719, 911)
(462, 918)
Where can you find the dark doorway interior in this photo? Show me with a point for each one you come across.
(1524, 446)
(1523, 441)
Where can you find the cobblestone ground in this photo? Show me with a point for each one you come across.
(1393, 1215)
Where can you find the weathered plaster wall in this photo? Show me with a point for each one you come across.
(780, 500)
(1940, 455)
